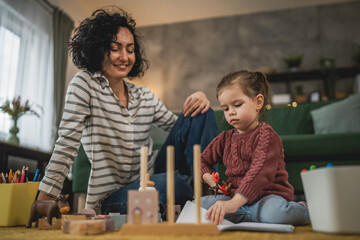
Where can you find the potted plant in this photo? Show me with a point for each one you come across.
(15, 109)
(293, 62)
(330, 76)
(299, 94)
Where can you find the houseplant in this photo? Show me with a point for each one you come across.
(15, 109)
(330, 76)
(293, 62)
(299, 94)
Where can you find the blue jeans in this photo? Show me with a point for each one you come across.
(269, 209)
(117, 202)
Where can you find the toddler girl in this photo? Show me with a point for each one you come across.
(253, 155)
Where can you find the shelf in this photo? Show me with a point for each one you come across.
(344, 72)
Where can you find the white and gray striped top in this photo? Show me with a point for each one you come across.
(111, 134)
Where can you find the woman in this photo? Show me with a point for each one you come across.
(111, 117)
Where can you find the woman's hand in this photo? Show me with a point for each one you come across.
(196, 103)
(217, 211)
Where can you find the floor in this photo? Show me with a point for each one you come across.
(300, 233)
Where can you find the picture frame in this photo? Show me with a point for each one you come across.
(315, 96)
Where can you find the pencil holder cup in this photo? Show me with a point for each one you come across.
(333, 197)
(15, 202)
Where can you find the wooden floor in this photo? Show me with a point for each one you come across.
(301, 233)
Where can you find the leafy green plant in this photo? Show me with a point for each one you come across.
(299, 90)
(15, 109)
(293, 61)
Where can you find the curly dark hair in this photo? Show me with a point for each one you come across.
(93, 37)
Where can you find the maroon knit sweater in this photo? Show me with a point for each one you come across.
(254, 162)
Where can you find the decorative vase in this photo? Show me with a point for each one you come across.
(13, 131)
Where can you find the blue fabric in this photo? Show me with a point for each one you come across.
(269, 209)
(186, 132)
(117, 201)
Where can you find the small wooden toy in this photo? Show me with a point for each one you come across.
(44, 224)
(170, 228)
(88, 212)
(67, 219)
(87, 227)
(119, 220)
(143, 204)
(143, 209)
(48, 208)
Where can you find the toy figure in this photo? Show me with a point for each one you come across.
(48, 208)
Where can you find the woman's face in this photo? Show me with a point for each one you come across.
(121, 58)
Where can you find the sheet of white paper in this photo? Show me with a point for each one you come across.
(258, 227)
(188, 215)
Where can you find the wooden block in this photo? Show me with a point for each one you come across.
(44, 225)
(101, 217)
(88, 212)
(170, 229)
(86, 227)
(120, 220)
(109, 224)
(66, 220)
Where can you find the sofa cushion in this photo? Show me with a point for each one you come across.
(293, 120)
(320, 145)
(338, 117)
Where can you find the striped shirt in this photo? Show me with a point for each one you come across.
(111, 134)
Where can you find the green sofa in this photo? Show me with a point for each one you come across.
(306, 145)
(295, 125)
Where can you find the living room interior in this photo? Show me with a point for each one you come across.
(309, 51)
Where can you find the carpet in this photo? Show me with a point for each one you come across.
(300, 233)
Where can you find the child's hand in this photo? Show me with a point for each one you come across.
(217, 211)
(226, 185)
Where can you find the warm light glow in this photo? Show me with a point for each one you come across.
(268, 106)
(294, 104)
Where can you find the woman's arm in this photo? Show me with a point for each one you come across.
(76, 110)
(196, 103)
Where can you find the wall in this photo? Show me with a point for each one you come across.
(191, 56)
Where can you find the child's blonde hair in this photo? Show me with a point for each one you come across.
(251, 82)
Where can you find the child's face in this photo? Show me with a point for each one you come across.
(240, 111)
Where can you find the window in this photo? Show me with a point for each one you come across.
(26, 69)
(9, 56)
